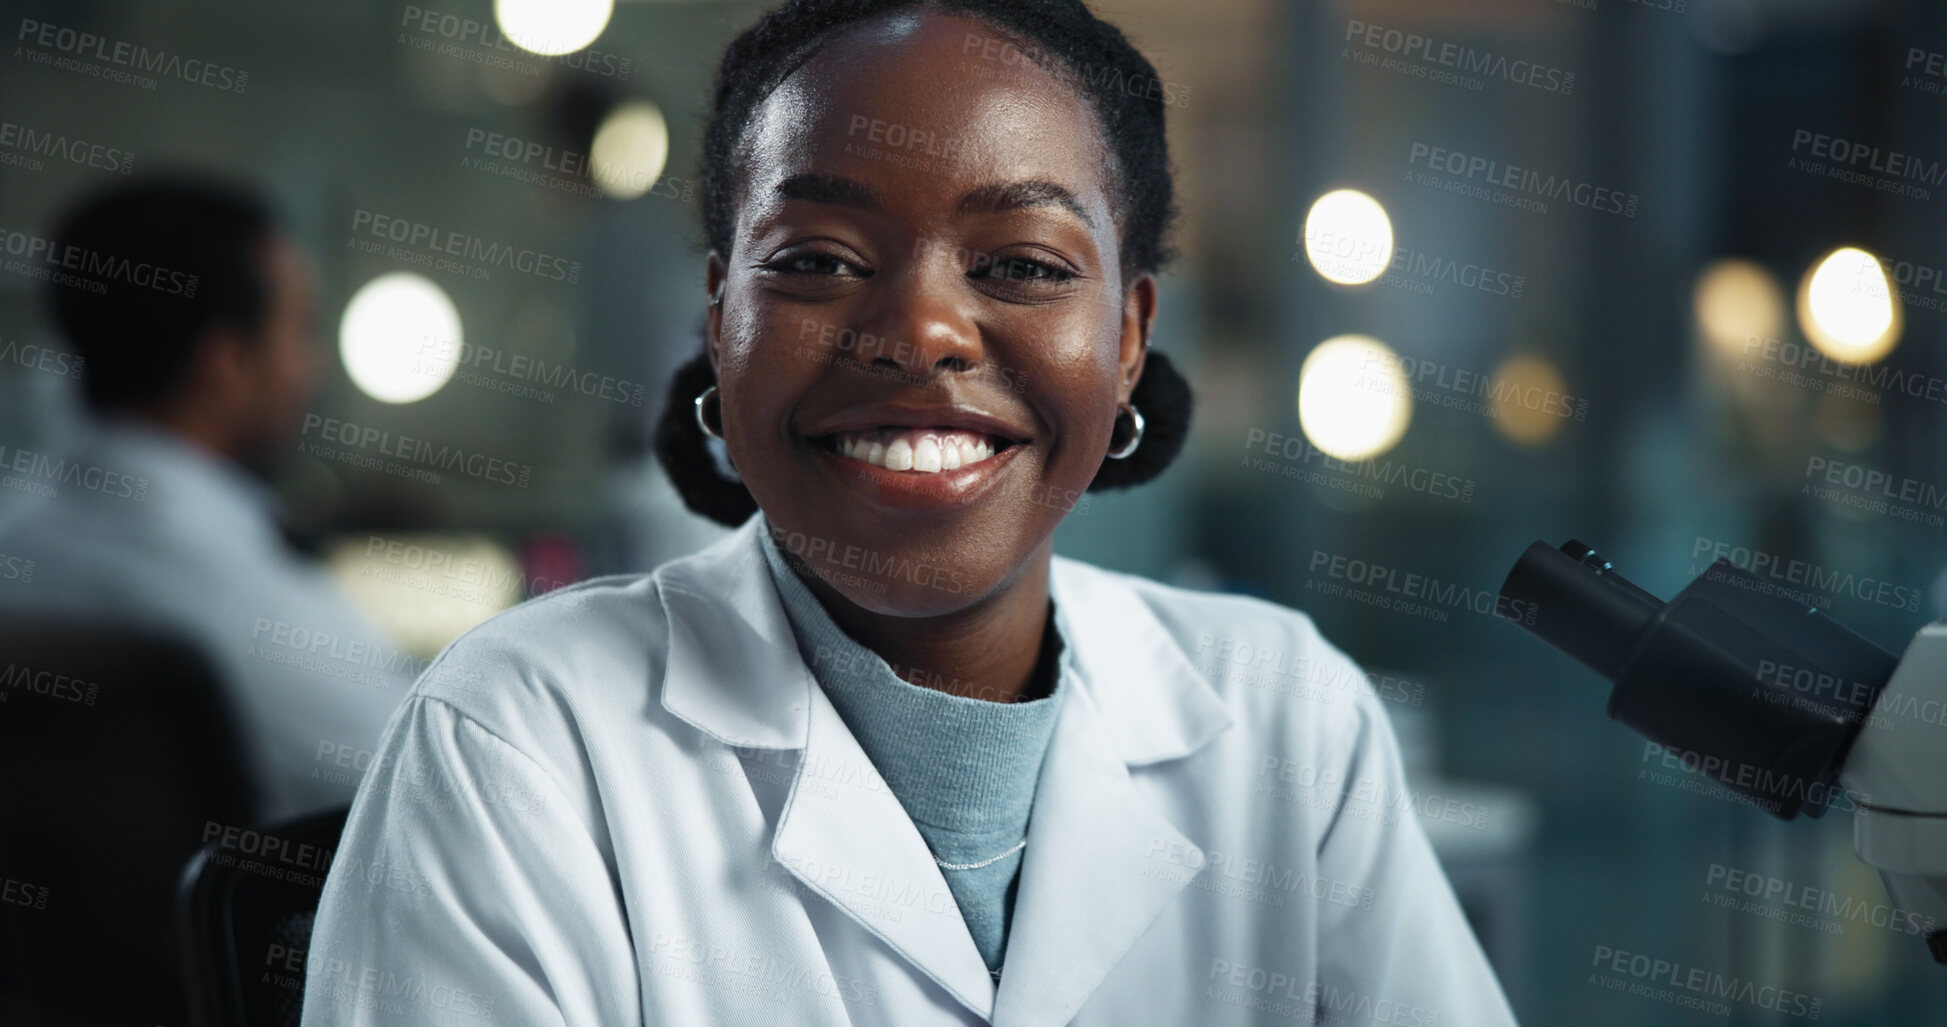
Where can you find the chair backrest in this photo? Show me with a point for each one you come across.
(248, 899)
(118, 755)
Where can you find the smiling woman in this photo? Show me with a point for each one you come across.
(994, 773)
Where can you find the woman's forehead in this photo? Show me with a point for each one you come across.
(927, 100)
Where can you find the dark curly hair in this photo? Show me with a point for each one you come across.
(1066, 39)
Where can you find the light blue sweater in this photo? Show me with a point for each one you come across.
(964, 769)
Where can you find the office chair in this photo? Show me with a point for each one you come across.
(247, 903)
(118, 753)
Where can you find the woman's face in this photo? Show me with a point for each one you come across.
(924, 270)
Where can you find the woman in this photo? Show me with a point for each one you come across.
(880, 757)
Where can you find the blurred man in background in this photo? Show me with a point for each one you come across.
(195, 319)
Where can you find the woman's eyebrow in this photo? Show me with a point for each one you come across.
(1005, 196)
(998, 197)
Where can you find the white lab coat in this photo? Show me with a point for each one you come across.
(629, 803)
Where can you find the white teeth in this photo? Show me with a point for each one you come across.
(915, 450)
(926, 455)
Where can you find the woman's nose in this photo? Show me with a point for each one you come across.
(924, 314)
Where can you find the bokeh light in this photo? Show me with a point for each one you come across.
(400, 337)
(1348, 237)
(1354, 399)
(1529, 400)
(630, 149)
(552, 27)
(1735, 301)
(1848, 308)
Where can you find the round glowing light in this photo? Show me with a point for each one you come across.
(1849, 308)
(552, 27)
(1354, 400)
(400, 338)
(1348, 237)
(1737, 302)
(1529, 400)
(629, 150)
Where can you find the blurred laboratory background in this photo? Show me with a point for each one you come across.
(1665, 276)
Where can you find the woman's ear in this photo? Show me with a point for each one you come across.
(1138, 312)
(714, 273)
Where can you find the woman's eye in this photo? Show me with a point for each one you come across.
(810, 264)
(1020, 269)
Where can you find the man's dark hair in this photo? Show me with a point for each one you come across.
(140, 271)
(1066, 39)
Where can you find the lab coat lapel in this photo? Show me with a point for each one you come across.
(1083, 897)
(734, 671)
(1088, 889)
(845, 835)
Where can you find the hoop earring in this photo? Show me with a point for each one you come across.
(704, 422)
(1122, 452)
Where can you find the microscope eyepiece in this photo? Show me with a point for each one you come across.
(1763, 693)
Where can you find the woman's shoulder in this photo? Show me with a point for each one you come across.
(539, 672)
(1268, 663)
(1203, 621)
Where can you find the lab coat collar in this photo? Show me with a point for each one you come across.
(734, 671)
(1086, 892)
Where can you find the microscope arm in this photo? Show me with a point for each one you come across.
(1897, 773)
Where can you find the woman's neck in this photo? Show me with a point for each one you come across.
(1001, 649)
